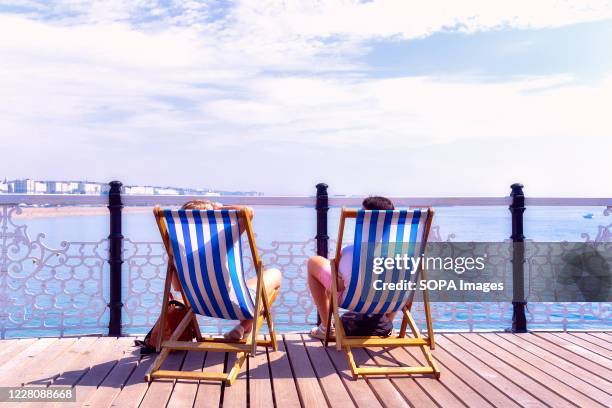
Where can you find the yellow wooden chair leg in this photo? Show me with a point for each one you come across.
(402, 332)
(330, 312)
(156, 364)
(351, 362)
(335, 307)
(196, 329)
(273, 337)
(427, 309)
(233, 374)
(339, 331)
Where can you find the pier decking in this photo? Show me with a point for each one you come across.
(478, 369)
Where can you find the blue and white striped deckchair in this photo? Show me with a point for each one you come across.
(205, 253)
(382, 234)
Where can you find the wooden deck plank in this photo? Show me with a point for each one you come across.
(601, 335)
(135, 387)
(601, 361)
(575, 358)
(6, 344)
(332, 385)
(46, 374)
(159, 390)
(309, 389)
(483, 369)
(407, 385)
(536, 371)
(100, 364)
(537, 359)
(453, 365)
(72, 372)
(603, 343)
(435, 388)
(285, 388)
(236, 394)
(260, 383)
(407, 388)
(474, 345)
(40, 370)
(34, 369)
(449, 390)
(592, 343)
(185, 391)
(24, 359)
(10, 348)
(209, 392)
(510, 389)
(360, 391)
(114, 381)
(389, 392)
(557, 358)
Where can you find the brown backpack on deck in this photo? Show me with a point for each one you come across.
(175, 312)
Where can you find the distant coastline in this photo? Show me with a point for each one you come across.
(73, 211)
(81, 211)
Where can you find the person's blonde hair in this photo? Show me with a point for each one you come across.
(198, 205)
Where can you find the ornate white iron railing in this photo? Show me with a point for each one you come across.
(49, 289)
(60, 290)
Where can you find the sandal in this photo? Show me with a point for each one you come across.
(319, 332)
(237, 334)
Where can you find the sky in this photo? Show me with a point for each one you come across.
(436, 98)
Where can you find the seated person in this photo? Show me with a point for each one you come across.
(271, 277)
(319, 273)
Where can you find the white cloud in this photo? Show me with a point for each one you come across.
(144, 80)
(412, 19)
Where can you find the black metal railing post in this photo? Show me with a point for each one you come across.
(322, 206)
(115, 258)
(517, 208)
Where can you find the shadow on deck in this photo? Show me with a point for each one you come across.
(486, 369)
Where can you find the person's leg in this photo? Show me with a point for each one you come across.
(319, 282)
(272, 279)
(391, 316)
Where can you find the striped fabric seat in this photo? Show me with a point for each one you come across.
(208, 258)
(381, 233)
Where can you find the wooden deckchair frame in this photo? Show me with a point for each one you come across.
(345, 343)
(244, 348)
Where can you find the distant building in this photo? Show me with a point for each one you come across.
(89, 188)
(22, 186)
(62, 187)
(29, 186)
(133, 190)
(52, 187)
(166, 191)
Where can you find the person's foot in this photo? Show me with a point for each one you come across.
(237, 333)
(319, 332)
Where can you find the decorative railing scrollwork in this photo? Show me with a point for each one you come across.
(49, 290)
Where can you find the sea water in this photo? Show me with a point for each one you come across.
(276, 223)
(298, 224)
